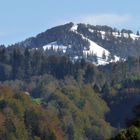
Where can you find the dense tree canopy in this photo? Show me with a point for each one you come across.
(46, 97)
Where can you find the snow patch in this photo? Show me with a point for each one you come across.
(90, 30)
(116, 34)
(126, 35)
(103, 34)
(74, 28)
(134, 36)
(55, 47)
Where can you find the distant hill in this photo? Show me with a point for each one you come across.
(98, 44)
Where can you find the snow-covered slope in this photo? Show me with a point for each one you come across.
(95, 49)
(102, 55)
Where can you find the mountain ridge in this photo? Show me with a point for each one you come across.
(98, 44)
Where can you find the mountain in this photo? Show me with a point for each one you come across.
(46, 94)
(97, 44)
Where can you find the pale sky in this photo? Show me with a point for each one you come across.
(22, 19)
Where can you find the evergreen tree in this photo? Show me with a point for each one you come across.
(138, 33)
(103, 55)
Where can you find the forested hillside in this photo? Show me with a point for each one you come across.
(46, 97)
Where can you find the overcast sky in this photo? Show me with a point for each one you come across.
(20, 19)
